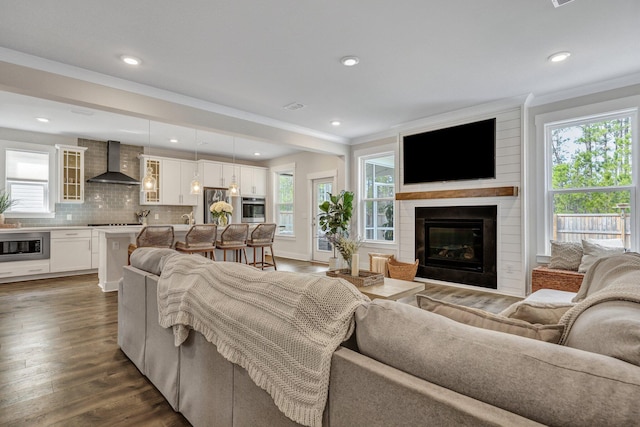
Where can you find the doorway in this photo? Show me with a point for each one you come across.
(322, 248)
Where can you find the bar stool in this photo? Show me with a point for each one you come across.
(200, 239)
(234, 238)
(262, 237)
(159, 236)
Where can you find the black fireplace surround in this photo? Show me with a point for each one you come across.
(457, 244)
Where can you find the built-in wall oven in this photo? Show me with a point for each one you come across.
(253, 209)
(24, 246)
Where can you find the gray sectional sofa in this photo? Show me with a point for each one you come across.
(404, 366)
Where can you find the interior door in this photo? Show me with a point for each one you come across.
(322, 249)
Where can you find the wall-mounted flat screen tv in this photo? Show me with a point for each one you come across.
(456, 153)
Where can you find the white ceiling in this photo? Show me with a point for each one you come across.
(418, 58)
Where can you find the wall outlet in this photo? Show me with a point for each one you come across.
(156, 216)
(69, 217)
(115, 246)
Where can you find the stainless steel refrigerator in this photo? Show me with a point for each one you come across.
(212, 195)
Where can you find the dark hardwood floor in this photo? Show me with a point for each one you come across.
(60, 364)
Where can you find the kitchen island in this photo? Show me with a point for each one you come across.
(31, 253)
(113, 243)
(113, 249)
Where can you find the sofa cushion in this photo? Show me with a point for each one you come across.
(544, 313)
(150, 259)
(565, 255)
(486, 320)
(548, 383)
(594, 249)
(611, 328)
(607, 322)
(618, 268)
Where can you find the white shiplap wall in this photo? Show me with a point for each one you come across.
(510, 258)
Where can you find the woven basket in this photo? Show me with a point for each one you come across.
(402, 270)
(550, 278)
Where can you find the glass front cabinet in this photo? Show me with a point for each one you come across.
(152, 165)
(71, 173)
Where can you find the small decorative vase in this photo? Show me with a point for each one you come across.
(223, 220)
(1, 218)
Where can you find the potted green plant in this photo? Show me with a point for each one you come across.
(5, 203)
(334, 218)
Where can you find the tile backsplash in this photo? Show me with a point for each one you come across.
(107, 203)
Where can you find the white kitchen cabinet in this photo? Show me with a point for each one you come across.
(70, 173)
(187, 170)
(253, 181)
(173, 178)
(170, 182)
(212, 174)
(95, 249)
(70, 250)
(23, 268)
(218, 174)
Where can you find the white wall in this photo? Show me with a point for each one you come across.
(510, 251)
(299, 246)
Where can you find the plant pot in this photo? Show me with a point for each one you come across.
(335, 263)
(1, 218)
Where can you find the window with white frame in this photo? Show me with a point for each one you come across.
(377, 197)
(284, 198)
(27, 180)
(589, 180)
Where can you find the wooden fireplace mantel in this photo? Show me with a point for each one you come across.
(454, 194)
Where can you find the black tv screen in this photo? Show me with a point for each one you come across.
(456, 153)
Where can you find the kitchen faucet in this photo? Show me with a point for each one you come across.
(190, 217)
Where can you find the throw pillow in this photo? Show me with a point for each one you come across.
(565, 255)
(592, 251)
(486, 320)
(543, 313)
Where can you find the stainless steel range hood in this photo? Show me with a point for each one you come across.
(113, 174)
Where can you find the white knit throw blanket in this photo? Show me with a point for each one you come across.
(282, 327)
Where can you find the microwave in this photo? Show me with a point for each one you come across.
(253, 209)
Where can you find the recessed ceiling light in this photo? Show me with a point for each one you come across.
(42, 119)
(350, 61)
(559, 57)
(257, 154)
(335, 123)
(131, 60)
(173, 140)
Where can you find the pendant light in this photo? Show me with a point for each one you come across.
(196, 187)
(233, 187)
(149, 182)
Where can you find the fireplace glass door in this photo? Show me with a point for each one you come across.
(454, 244)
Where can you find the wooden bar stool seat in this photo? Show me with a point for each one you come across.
(262, 237)
(200, 239)
(234, 238)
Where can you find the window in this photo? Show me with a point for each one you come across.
(378, 185)
(284, 199)
(590, 190)
(27, 180)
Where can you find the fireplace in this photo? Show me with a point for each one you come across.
(457, 244)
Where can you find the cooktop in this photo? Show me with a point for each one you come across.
(113, 224)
